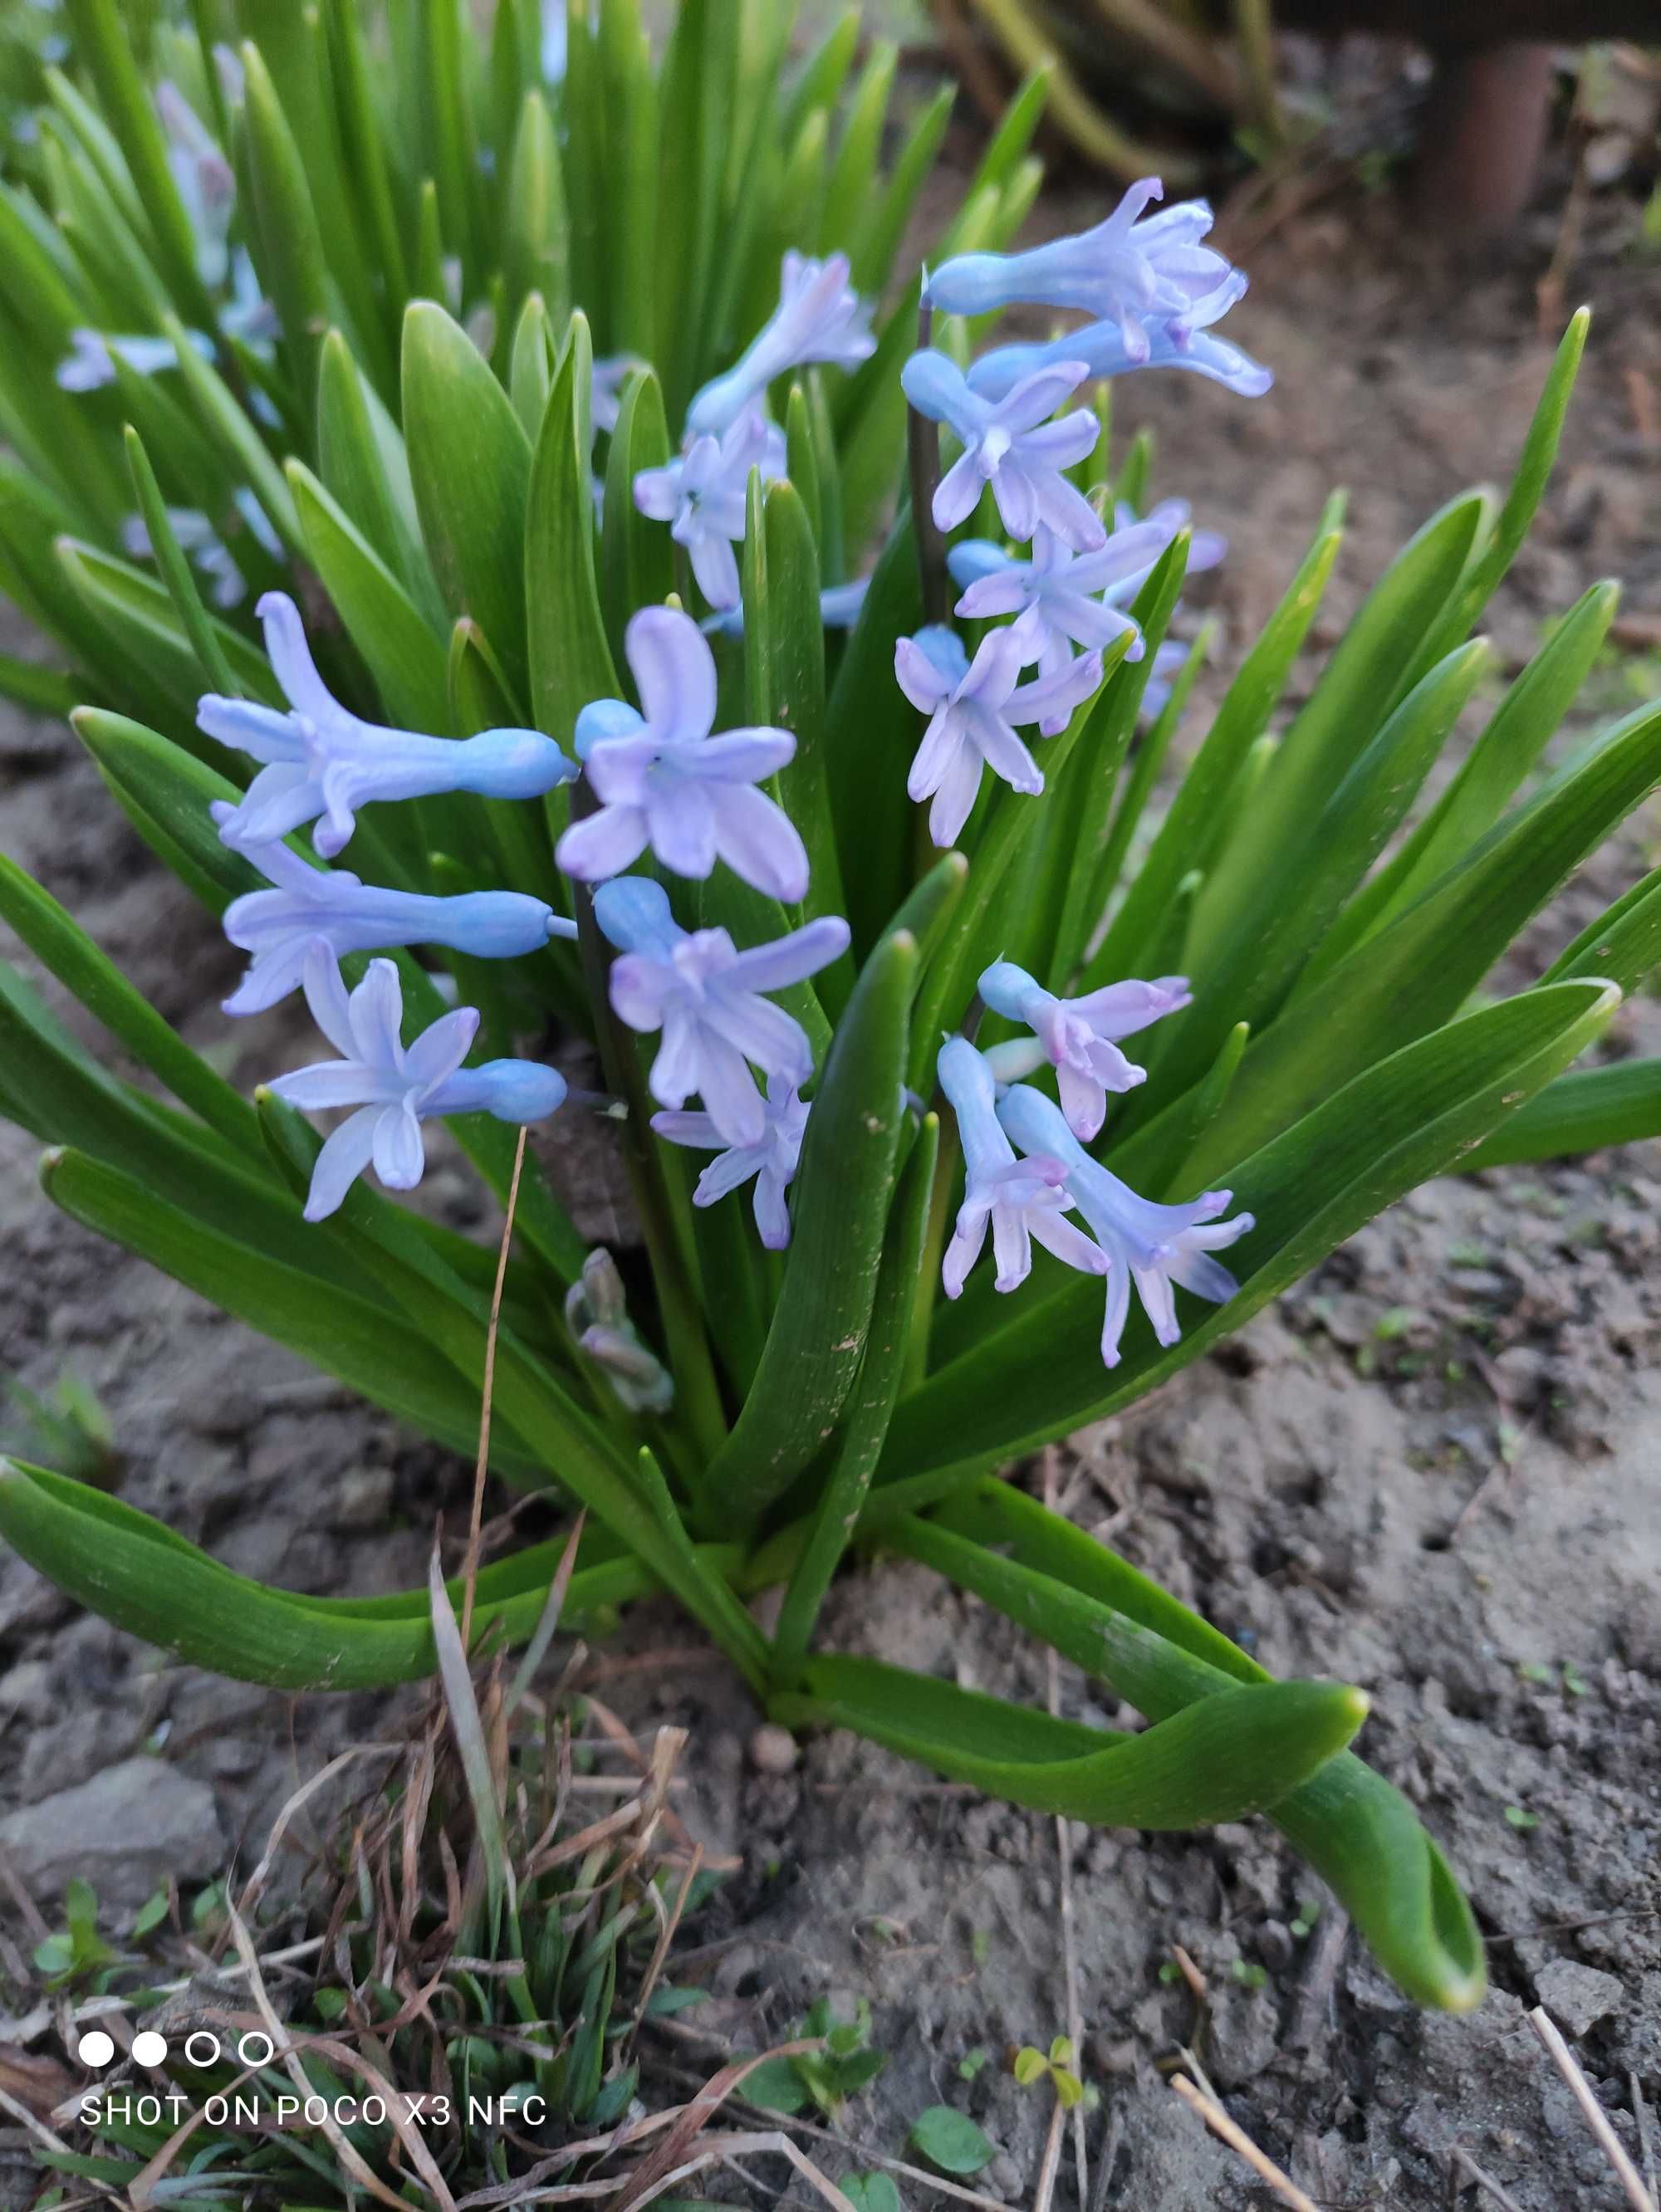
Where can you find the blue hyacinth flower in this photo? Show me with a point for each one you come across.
(395, 1088)
(319, 759)
(1010, 443)
(819, 318)
(1020, 1201)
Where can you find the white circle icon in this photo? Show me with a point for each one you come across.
(95, 2048)
(263, 2052)
(149, 2048)
(201, 2049)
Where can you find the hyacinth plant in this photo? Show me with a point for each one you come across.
(546, 574)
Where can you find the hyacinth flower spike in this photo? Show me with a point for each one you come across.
(972, 708)
(704, 995)
(1079, 1037)
(701, 495)
(663, 782)
(1155, 1246)
(1011, 444)
(1020, 1201)
(320, 759)
(1140, 272)
(393, 1087)
(772, 1162)
(279, 927)
(819, 318)
(1101, 347)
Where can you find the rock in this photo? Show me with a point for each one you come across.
(1578, 1996)
(27, 1690)
(773, 1750)
(124, 1832)
(362, 1499)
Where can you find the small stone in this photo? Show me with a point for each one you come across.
(773, 1750)
(1006, 2178)
(124, 1832)
(26, 1690)
(1578, 1996)
(362, 1499)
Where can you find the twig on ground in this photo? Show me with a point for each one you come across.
(1238, 2140)
(1052, 2159)
(1464, 2172)
(1064, 1857)
(1309, 2017)
(1597, 2119)
(476, 1522)
(1640, 2113)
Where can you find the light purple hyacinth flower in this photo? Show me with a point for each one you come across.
(396, 1088)
(1063, 598)
(840, 608)
(704, 995)
(1019, 1200)
(663, 782)
(1011, 444)
(1101, 346)
(1155, 1246)
(1079, 1038)
(1144, 273)
(972, 708)
(772, 1161)
(819, 318)
(319, 759)
(279, 927)
(701, 495)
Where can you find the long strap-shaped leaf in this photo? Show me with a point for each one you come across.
(1359, 1832)
(820, 1328)
(1218, 1758)
(140, 1574)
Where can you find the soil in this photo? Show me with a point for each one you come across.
(1432, 1471)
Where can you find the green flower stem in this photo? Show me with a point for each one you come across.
(922, 447)
(691, 1362)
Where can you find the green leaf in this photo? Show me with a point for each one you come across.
(870, 728)
(868, 1411)
(848, 190)
(137, 1573)
(1582, 1112)
(796, 638)
(536, 243)
(877, 232)
(175, 570)
(1357, 1831)
(294, 264)
(1240, 1750)
(400, 649)
(1250, 701)
(1419, 969)
(636, 563)
(1281, 918)
(949, 2140)
(821, 1323)
(1345, 712)
(360, 1343)
(1623, 944)
(229, 430)
(570, 661)
(469, 463)
(1508, 750)
(361, 461)
(870, 2192)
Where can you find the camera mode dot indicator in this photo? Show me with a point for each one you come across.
(149, 2048)
(95, 2048)
(201, 2049)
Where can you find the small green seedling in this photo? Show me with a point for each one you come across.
(825, 2078)
(1032, 2065)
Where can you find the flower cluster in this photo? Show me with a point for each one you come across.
(655, 782)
